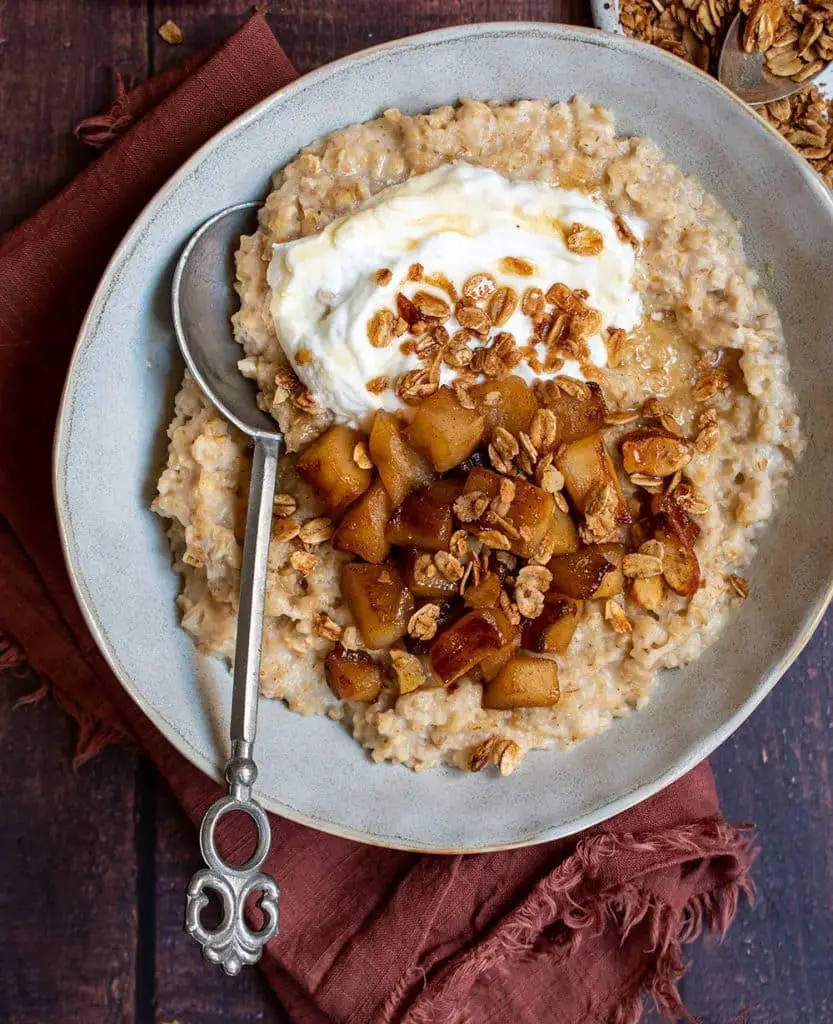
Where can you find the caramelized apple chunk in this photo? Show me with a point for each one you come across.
(578, 412)
(485, 594)
(513, 409)
(553, 630)
(587, 468)
(352, 675)
(673, 517)
(562, 536)
(420, 522)
(446, 491)
(362, 529)
(465, 644)
(493, 663)
(525, 681)
(613, 582)
(580, 575)
(530, 511)
(655, 452)
(328, 467)
(401, 468)
(379, 602)
(444, 431)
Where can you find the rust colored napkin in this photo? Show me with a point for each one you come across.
(568, 932)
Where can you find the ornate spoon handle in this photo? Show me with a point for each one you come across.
(233, 943)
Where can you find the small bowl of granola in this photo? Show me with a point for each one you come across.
(545, 441)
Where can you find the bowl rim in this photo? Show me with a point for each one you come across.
(701, 749)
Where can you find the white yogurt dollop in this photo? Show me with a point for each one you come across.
(455, 220)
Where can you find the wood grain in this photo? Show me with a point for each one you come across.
(69, 938)
(776, 771)
(56, 67)
(67, 858)
(314, 32)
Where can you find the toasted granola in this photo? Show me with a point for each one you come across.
(798, 39)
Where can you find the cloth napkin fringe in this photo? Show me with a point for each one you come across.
(10, 654)
(102, 129)
(568, 906)
(93, 734)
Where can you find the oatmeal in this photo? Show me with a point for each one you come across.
(493, 534)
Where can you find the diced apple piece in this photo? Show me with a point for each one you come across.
(401, 468)
(444, 431)
(562, 536)
(530, 513)
(655, 452)
(553, 630)
(437, 587)
(524, 682)
(485, 480)
(362, 529)
(610, 586)
(680, 567)
(420, 522)
(446, 491)
(486, 594)
(614, 553)
(457, 650)
(352, 675)
(514, 411)
(586, 467)
(647, 592)
(379, 601)
(577, 416)
(674, 518)
(580, 575)
(493, 663)
(329, 468)
(614, 582)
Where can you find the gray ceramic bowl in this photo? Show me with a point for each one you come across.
(111, 442)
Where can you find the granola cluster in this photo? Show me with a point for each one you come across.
(806, 120)
(463, 331)
(796, 38)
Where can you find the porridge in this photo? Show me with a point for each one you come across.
(537, 412)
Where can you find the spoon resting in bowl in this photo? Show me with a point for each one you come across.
(203, 301)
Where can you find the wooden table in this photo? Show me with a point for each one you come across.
(93, 864)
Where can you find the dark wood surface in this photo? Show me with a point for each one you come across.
(93, 865)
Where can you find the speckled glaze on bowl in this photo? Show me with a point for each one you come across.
(111, 442)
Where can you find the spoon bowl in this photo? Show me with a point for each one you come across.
(746, 74)
(203, 302)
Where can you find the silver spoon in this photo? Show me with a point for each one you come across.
(202, 307)
(746, 74)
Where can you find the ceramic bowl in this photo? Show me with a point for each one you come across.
(111, 443)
